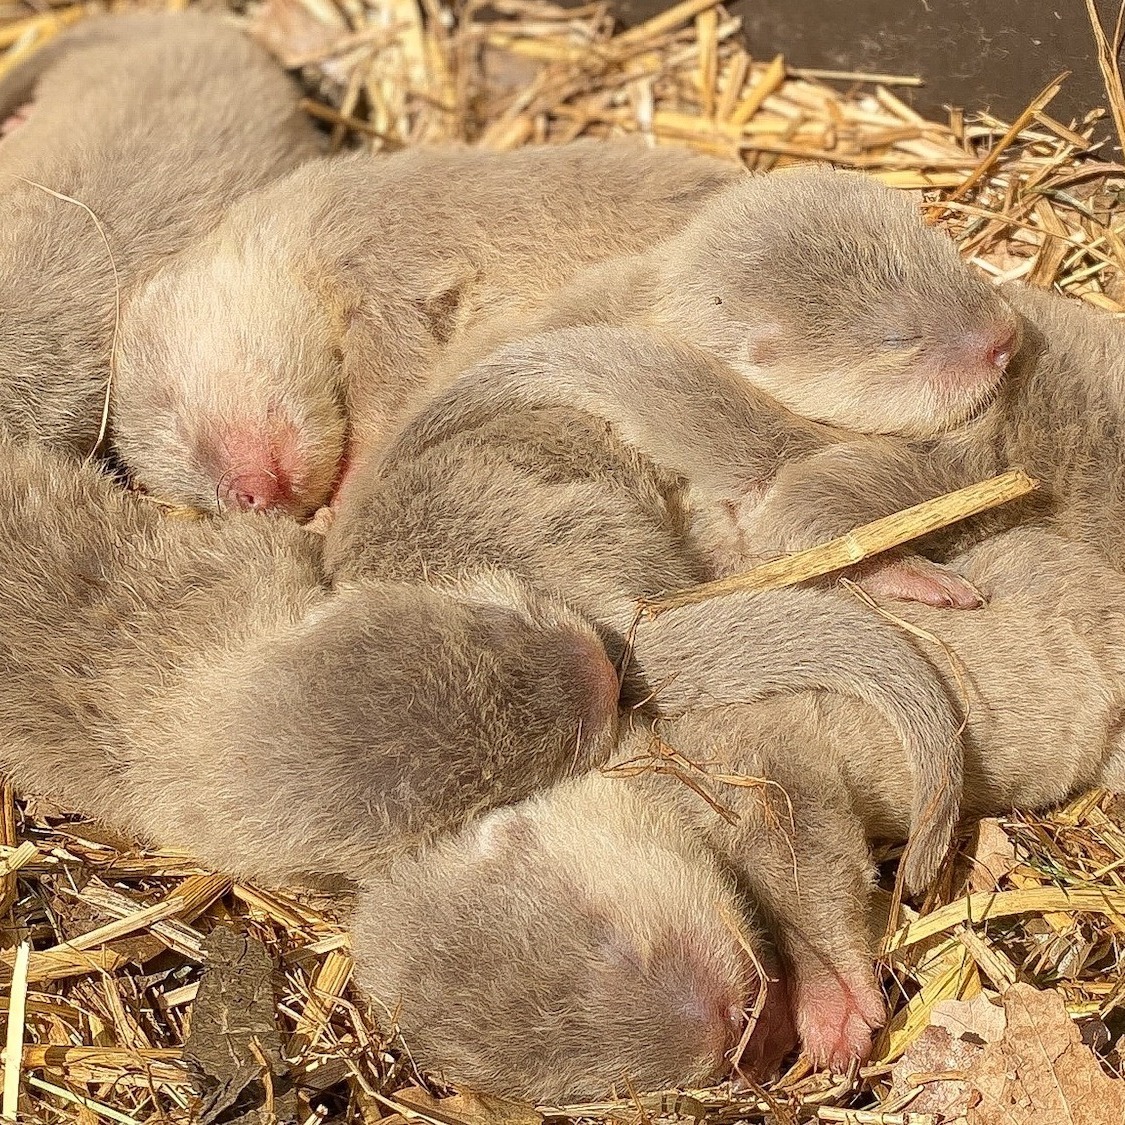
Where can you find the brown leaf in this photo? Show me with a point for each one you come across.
(937, 1061)
(977, 1020)
(1033, 1068)
(993, 856)
(234, 1042)
(1041, 1071)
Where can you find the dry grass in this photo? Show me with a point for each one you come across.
(102, 944)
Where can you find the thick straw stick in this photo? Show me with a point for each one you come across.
(869, 539)
(13, 1049)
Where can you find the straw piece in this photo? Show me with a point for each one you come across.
(100, 1064)
(37, 30)
(1044, 98)
(872, 1117)
(140, 920)
(681, 13)
(768, 83)
(13, 1046)
(812, 72)
(326, 986)
(9, 863)
(60, 964)
(985, 905)
(81, 1100)
(735, 80)
(993, 962)
(190, 899)
(1108, 55)
(862, 543)
(951, 976)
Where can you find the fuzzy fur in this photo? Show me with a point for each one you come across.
(1060, 416)
(822, 288)
(586, 886)
(153, 122)
(554, 497)
(193, 681)
(324, 304)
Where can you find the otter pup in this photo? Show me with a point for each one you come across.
(692, 414)
(552, 496)
(110, 128)
(285, 345)
(642, 924)
(1058, 415)
(822, 288)
(194, 682)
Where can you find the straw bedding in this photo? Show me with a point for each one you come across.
(108, 1011)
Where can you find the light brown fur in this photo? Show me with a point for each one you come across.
(822, 288)
(111, 126)
(1060, 415)
(284, 346)
(194, 682)
(551, 496)
(699, 417)
(589, 886)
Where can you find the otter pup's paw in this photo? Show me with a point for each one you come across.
(913, 578)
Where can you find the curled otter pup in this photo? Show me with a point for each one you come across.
(194, 682)
(641, 924)
(599, 934)
(1059, 416)
(615, 895)
(284, 346)
(110, 127)
(694, 416)
(822, 288)
(554, 497)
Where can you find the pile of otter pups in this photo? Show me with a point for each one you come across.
(518, 393)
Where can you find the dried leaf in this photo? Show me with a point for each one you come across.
(1040, 1070)
(1031, 1070)
(937, 1062)
(234, 1039)
(977, 1020)
(993, 856)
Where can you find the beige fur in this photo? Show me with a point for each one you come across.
(153, 122)
(328, 300)
(822, 288)
(588, 887)
(553, 497)
(696, 417)
(192, 681)
(1060, 416)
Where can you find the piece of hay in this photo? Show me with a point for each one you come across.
(864, 542)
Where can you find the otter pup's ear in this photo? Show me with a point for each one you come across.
(444, 309)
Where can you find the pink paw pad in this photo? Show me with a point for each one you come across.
(14, 120)
(915, 579)
(836, 1014)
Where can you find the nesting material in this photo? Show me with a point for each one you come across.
(102, 945)
(862, 543)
